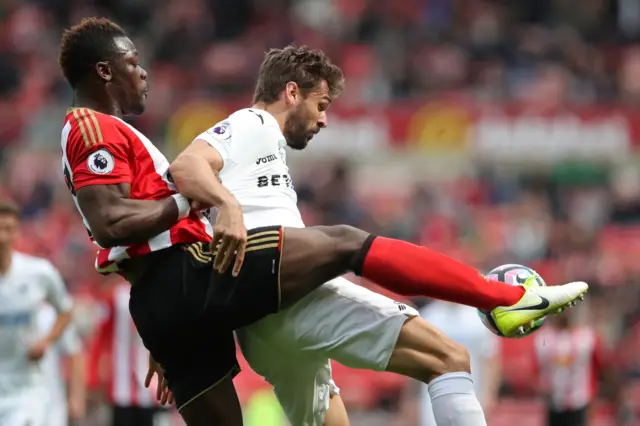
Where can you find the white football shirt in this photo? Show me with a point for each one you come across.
(255, 171)
(29, 282)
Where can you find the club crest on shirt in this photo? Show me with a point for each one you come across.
(101, 162)
(220, 131)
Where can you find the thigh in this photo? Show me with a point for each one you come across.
(340, 320)
(305, 391)
(312, 256)
(337, 413)
(255, 292)
(218, 405)
(169, 308)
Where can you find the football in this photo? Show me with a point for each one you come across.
(511, 274)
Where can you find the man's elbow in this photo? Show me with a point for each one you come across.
(179, 169)
(107, 234)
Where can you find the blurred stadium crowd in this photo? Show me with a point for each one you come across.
(574, 63)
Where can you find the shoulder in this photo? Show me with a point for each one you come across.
(252, 119)
(34, 264)
(89, 128)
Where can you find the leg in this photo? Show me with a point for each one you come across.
(216, 406)
(310, 256)
(363, 329)
(122, 416)
(555, 418)
(170, 308)
(337, 413)
(426, 354)
(291, 349)
(145, 416)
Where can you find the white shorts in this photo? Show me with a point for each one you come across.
(25, 408)
(57, 413)
(340, 321)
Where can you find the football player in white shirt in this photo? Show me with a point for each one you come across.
(316, 322)
(25, 283)
(64, 403)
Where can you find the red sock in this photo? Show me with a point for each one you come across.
(411, 270)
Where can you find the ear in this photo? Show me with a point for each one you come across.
(104, 71)
(291, 93)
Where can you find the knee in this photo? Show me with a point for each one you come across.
(455, 360)
(347, 240)
(424, 353)
(452, 358)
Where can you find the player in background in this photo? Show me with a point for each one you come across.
(570, 360)
(65, 402)
(26, 282)
(338, 320)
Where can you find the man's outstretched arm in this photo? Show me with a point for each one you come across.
(117, 220)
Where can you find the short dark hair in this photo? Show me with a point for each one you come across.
(303, 65)
(9, 208)
(85, 44)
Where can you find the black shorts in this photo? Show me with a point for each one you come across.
(568, 418)
(133, 416)
(186, 313)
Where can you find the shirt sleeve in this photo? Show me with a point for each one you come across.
(219, 138)
(98, 150)
(56, 292)
(235, 137)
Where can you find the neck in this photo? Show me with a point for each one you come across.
(276, 109)
(102, 103)
(5, 261)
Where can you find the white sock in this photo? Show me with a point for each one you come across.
(454, 401)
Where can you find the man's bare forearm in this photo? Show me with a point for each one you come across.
(135, 221)
(196, 180)
(62, 322)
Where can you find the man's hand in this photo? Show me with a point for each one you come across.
(229, 237)
(163, 394)
(37, 350)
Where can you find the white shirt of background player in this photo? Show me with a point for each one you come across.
(255, 171)
(68, 345)
(29, 282)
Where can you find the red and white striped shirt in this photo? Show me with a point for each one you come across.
(569, 362)
(100, 149)
(118, 355)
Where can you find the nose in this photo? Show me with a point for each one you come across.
(323, 121)
(143, 73)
